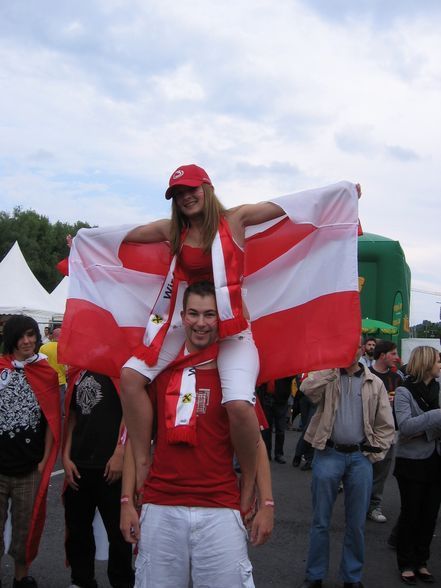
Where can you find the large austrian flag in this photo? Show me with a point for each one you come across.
(300, 287)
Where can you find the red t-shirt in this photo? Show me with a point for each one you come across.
(182, 475)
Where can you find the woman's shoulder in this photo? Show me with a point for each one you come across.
(403, 391)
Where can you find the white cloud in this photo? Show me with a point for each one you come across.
(101, 100)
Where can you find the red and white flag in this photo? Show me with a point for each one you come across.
(300, 287)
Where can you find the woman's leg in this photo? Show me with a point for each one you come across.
(238, 364)
(137, 408)
(427, 522)
(412, 498)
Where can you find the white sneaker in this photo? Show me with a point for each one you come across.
(377, 516)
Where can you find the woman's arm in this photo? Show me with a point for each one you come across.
(410, 425)
(48, 441)
(254, 214)
(154, 232)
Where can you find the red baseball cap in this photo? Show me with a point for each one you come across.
(187, 175)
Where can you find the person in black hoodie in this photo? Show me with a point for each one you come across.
(418, 462)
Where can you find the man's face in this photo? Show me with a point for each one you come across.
(390, 358)
(200, 321)
(25, 347)
(359, 352)
(369, 348)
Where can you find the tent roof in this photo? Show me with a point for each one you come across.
(59, 296)
(21, 292)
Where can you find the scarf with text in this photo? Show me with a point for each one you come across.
(227, 282)
(181, 395)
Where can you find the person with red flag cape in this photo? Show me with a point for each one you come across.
(30, 426)
(122, 277)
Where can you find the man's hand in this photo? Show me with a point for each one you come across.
(71, 472)
(129, 523)
(262, 526)
(113, 469)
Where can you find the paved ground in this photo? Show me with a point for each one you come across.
(281, 562)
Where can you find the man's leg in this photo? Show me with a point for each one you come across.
(381, 470)
(163, 559)
(267, 434)
(79, 511)
(219, 549)
(357, 483)
(280, 412)
(327, 471)
(119, 567)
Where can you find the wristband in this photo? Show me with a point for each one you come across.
(124, 499)
(269, 503)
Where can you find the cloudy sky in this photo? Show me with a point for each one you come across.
(101, 99)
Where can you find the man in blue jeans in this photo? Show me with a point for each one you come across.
(352, 428)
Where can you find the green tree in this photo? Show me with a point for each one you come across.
(43, 244)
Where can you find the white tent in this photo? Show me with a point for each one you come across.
(59, 295)
(21, 292)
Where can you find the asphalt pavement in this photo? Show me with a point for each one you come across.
(281, 562)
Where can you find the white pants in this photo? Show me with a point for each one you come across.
(238, 363)
(209, 543)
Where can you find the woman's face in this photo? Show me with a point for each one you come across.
(190, 201)
(436, 368)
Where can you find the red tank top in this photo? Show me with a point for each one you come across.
(198, 266)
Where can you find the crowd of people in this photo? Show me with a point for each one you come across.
(190, 393)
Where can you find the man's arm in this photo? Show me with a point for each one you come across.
(129, 519)
(70, 469)
(263, 522)
(384, 426)
(113, 469)
(314, 385)
(138, 417)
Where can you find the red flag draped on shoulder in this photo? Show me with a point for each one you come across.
(300, 287)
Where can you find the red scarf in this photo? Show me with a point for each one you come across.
(227, 282)
(43, 381)
(181, 395)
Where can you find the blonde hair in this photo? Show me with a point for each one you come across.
(422, 359)
(213, 210)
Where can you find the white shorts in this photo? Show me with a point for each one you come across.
(178, 542)
(238, 363)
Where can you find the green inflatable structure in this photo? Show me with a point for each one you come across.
(384, 284)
